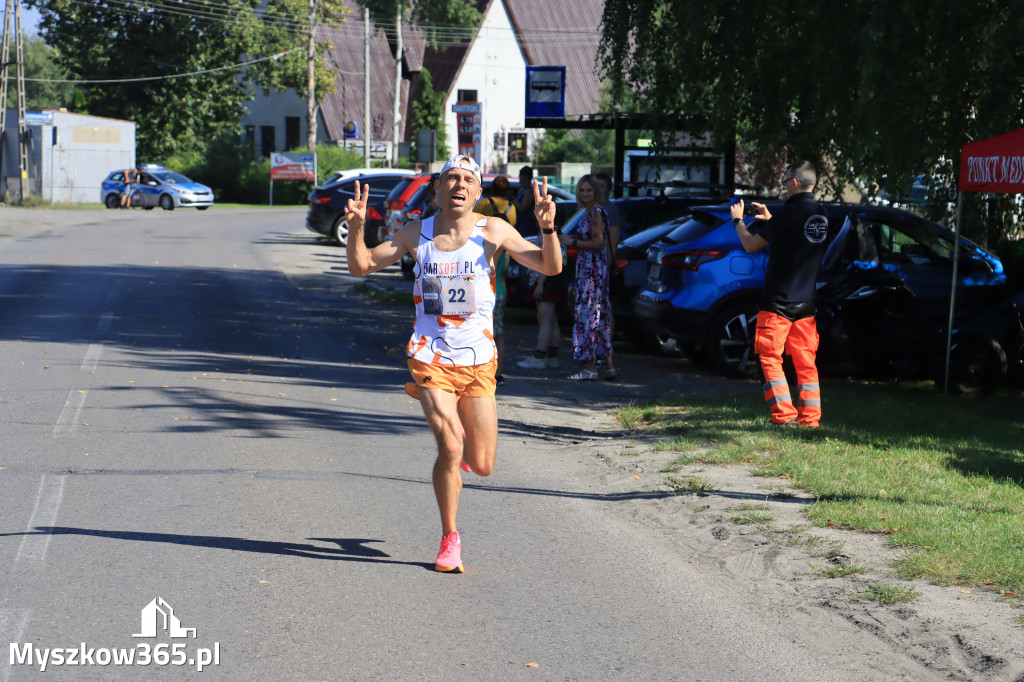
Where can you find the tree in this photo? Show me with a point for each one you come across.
(866, 89)
(428, 111)
(104, 47)
(433, 17)
(42, 91)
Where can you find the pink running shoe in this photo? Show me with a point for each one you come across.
(449, 559)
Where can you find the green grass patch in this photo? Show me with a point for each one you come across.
(747, 514)
(840, 571)
(888, 594)
(692, 484)
(941, 476)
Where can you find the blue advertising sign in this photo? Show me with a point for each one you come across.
(545, 92)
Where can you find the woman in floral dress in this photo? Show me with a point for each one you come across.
(591, 331)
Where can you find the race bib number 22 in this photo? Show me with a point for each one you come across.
(449, 296)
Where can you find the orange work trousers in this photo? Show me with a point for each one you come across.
(798, 339)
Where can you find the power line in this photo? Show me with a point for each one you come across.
(166, 78)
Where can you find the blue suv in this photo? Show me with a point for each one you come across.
(703, 289)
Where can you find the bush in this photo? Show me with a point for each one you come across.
(229, 169)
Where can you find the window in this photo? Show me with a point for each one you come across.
(291, 132)
(467, 96)
(267, 144)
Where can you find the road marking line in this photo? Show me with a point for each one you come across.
(104, 323)
(33, 544)
(12, 627)
(67, 422)
(92, 356)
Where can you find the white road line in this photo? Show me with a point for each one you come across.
(104, 324)
(92, 356)
(12, 627)
(67, 422)
(34, 543)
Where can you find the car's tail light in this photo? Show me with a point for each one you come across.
(413, 213)
(620, 263)
(321, 200)
(373, 214)
(571, 252)
(691, 260)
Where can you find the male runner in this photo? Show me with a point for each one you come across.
(451, 354)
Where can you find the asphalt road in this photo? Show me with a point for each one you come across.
(198, 407)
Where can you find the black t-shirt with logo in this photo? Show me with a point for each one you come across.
(798, 234)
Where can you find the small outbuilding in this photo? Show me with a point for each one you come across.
(69, 155)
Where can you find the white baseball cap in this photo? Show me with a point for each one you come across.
(465, 163)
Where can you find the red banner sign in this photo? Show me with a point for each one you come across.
(994, 165)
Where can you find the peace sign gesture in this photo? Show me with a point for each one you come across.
(355, 210)
(543, 206)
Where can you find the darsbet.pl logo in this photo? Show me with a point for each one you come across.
(157, 615)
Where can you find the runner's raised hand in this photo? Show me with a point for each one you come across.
(543, 205)
(356, 207)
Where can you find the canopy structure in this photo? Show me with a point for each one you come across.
(994, 165)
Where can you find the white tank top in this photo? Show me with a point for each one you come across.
(454, 294)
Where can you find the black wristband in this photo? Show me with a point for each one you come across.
(736, 222)
(550, 230)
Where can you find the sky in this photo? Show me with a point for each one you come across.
(29, 20)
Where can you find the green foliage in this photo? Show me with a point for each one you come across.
(595, 146)
(285, 27)
(95, 41)
(882, 91)
(435, 18)
(228, 167)
(40, 68)
(428, 111)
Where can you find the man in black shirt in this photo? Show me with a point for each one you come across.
(797, 233)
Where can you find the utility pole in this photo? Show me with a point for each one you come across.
(311, 81)
(396, 115)
(366, 86)
(12, 14)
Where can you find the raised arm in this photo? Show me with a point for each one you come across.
(546, 259)
(362, 261)
(751, 242)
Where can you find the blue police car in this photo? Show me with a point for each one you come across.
(157, 186)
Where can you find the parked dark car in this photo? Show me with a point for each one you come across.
(641, 218)
(326, 215)
(703, 288)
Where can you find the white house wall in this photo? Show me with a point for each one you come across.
(496, 68)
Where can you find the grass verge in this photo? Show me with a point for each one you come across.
(941, 477)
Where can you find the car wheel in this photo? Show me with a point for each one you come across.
(166, 202)
(977, 366)
(112, 201)
(730, 342)
(339, 231)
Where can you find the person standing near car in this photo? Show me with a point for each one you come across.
(591, 330)
(131, 178)
(451, 354)
(527, 223)
(798, 233)
(499, 204)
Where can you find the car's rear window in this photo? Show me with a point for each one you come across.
(694, 228)
(400, 188)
